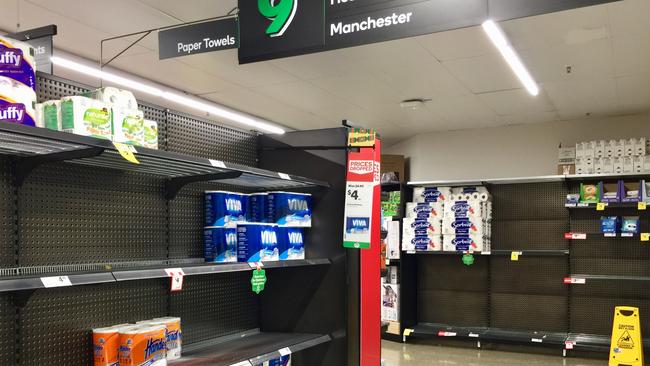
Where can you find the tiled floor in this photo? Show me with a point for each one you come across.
(396, 354)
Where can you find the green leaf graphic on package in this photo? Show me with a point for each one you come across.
(97, 120)
(132, 126)
(150, 134)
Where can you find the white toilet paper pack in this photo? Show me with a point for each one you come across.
(52, 115)
(114, 97)
(17, 102)
(463, 226)
(464, 209)
(424, 243)
(463, 243)
(424, 210)
(86, 117)
(17, 62)
(414, 226)
(128, 126)
(431, 194)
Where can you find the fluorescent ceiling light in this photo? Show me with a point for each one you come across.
(170, 95)
(508, 52)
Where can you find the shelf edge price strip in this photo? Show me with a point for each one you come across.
(57, 281)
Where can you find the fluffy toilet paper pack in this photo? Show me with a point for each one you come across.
(17, 62)
(17, 102)
(431, 194)
(86, 117)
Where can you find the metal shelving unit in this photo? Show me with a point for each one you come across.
(33, 147)
(251, 346)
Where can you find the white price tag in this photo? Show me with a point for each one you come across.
(388, 262)
(536, 340)
(568, 345)
(177, 275)
(254, 265)
(627, 235)
(410, 252)
(60, 281)
(582, 204)
(446, 334)
(610, 235)
(473, 335)
(285, 352)
(218, 164)
(575, 281)
(284, 176)
(486, 253)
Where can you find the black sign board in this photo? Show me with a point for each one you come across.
(41, 39)
(204, 37)
(280, 28)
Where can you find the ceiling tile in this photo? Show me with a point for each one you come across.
(528, 118)
(467, 111)
(575, 98)
(484, 73)
(458, 43)
(317, 65)
(301, 94)
(571, 27)
(172, 73)
(631, 54)
(634, 93)
(518, 101)
(588, 61)
(359, 88)
(224, 64)
(629, 17)
(199, 9)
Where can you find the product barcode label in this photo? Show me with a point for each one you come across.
(59, 281)
(218, 164)
(285, 352)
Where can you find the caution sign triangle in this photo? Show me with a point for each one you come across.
(626, 348)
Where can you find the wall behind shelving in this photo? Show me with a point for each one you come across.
(509, 151)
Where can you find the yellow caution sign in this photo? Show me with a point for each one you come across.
(626, 348)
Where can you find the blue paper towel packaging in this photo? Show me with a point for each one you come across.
(223, 208)
(290, 209)
(291, 243)
(258, 207)
(220, 244)
(257, 242)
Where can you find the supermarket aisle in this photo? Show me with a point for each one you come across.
(396, 354)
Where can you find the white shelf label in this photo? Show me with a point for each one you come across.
(446, 334)
(388, 262)
(59, 281)
(570, 205)
(536, 340)
(218, 164)
(627, 235)
(582, 204)
(473, 335)
(568, 345)
(284, 176)
(576, 236)
(486, 253)
(610, 235)
(177, 275)
(285, 352)
(254, 265)
(575, 281)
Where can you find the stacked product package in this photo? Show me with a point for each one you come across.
(466, 225)
(107, 113)
(446, 219)
(17, 83)
(256, 227)
(422, 225)
(623, 156)
(282, 361)
(149, 342)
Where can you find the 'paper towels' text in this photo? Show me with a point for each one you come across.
(208, 43)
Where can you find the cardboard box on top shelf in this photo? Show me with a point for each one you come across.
(394, 164)
(566, 160)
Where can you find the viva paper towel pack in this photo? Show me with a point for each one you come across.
(17, 83)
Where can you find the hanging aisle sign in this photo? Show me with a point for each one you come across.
(362, 197)
(204, 37)
(273, 29)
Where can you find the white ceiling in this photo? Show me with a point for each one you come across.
(607, 46)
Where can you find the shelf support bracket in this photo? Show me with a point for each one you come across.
(23, 167)
(174, 185)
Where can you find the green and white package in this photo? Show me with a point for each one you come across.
(128, 126)
(150, 134)
(86, 117)
(52, 115)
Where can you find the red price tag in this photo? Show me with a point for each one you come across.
(177, 275)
